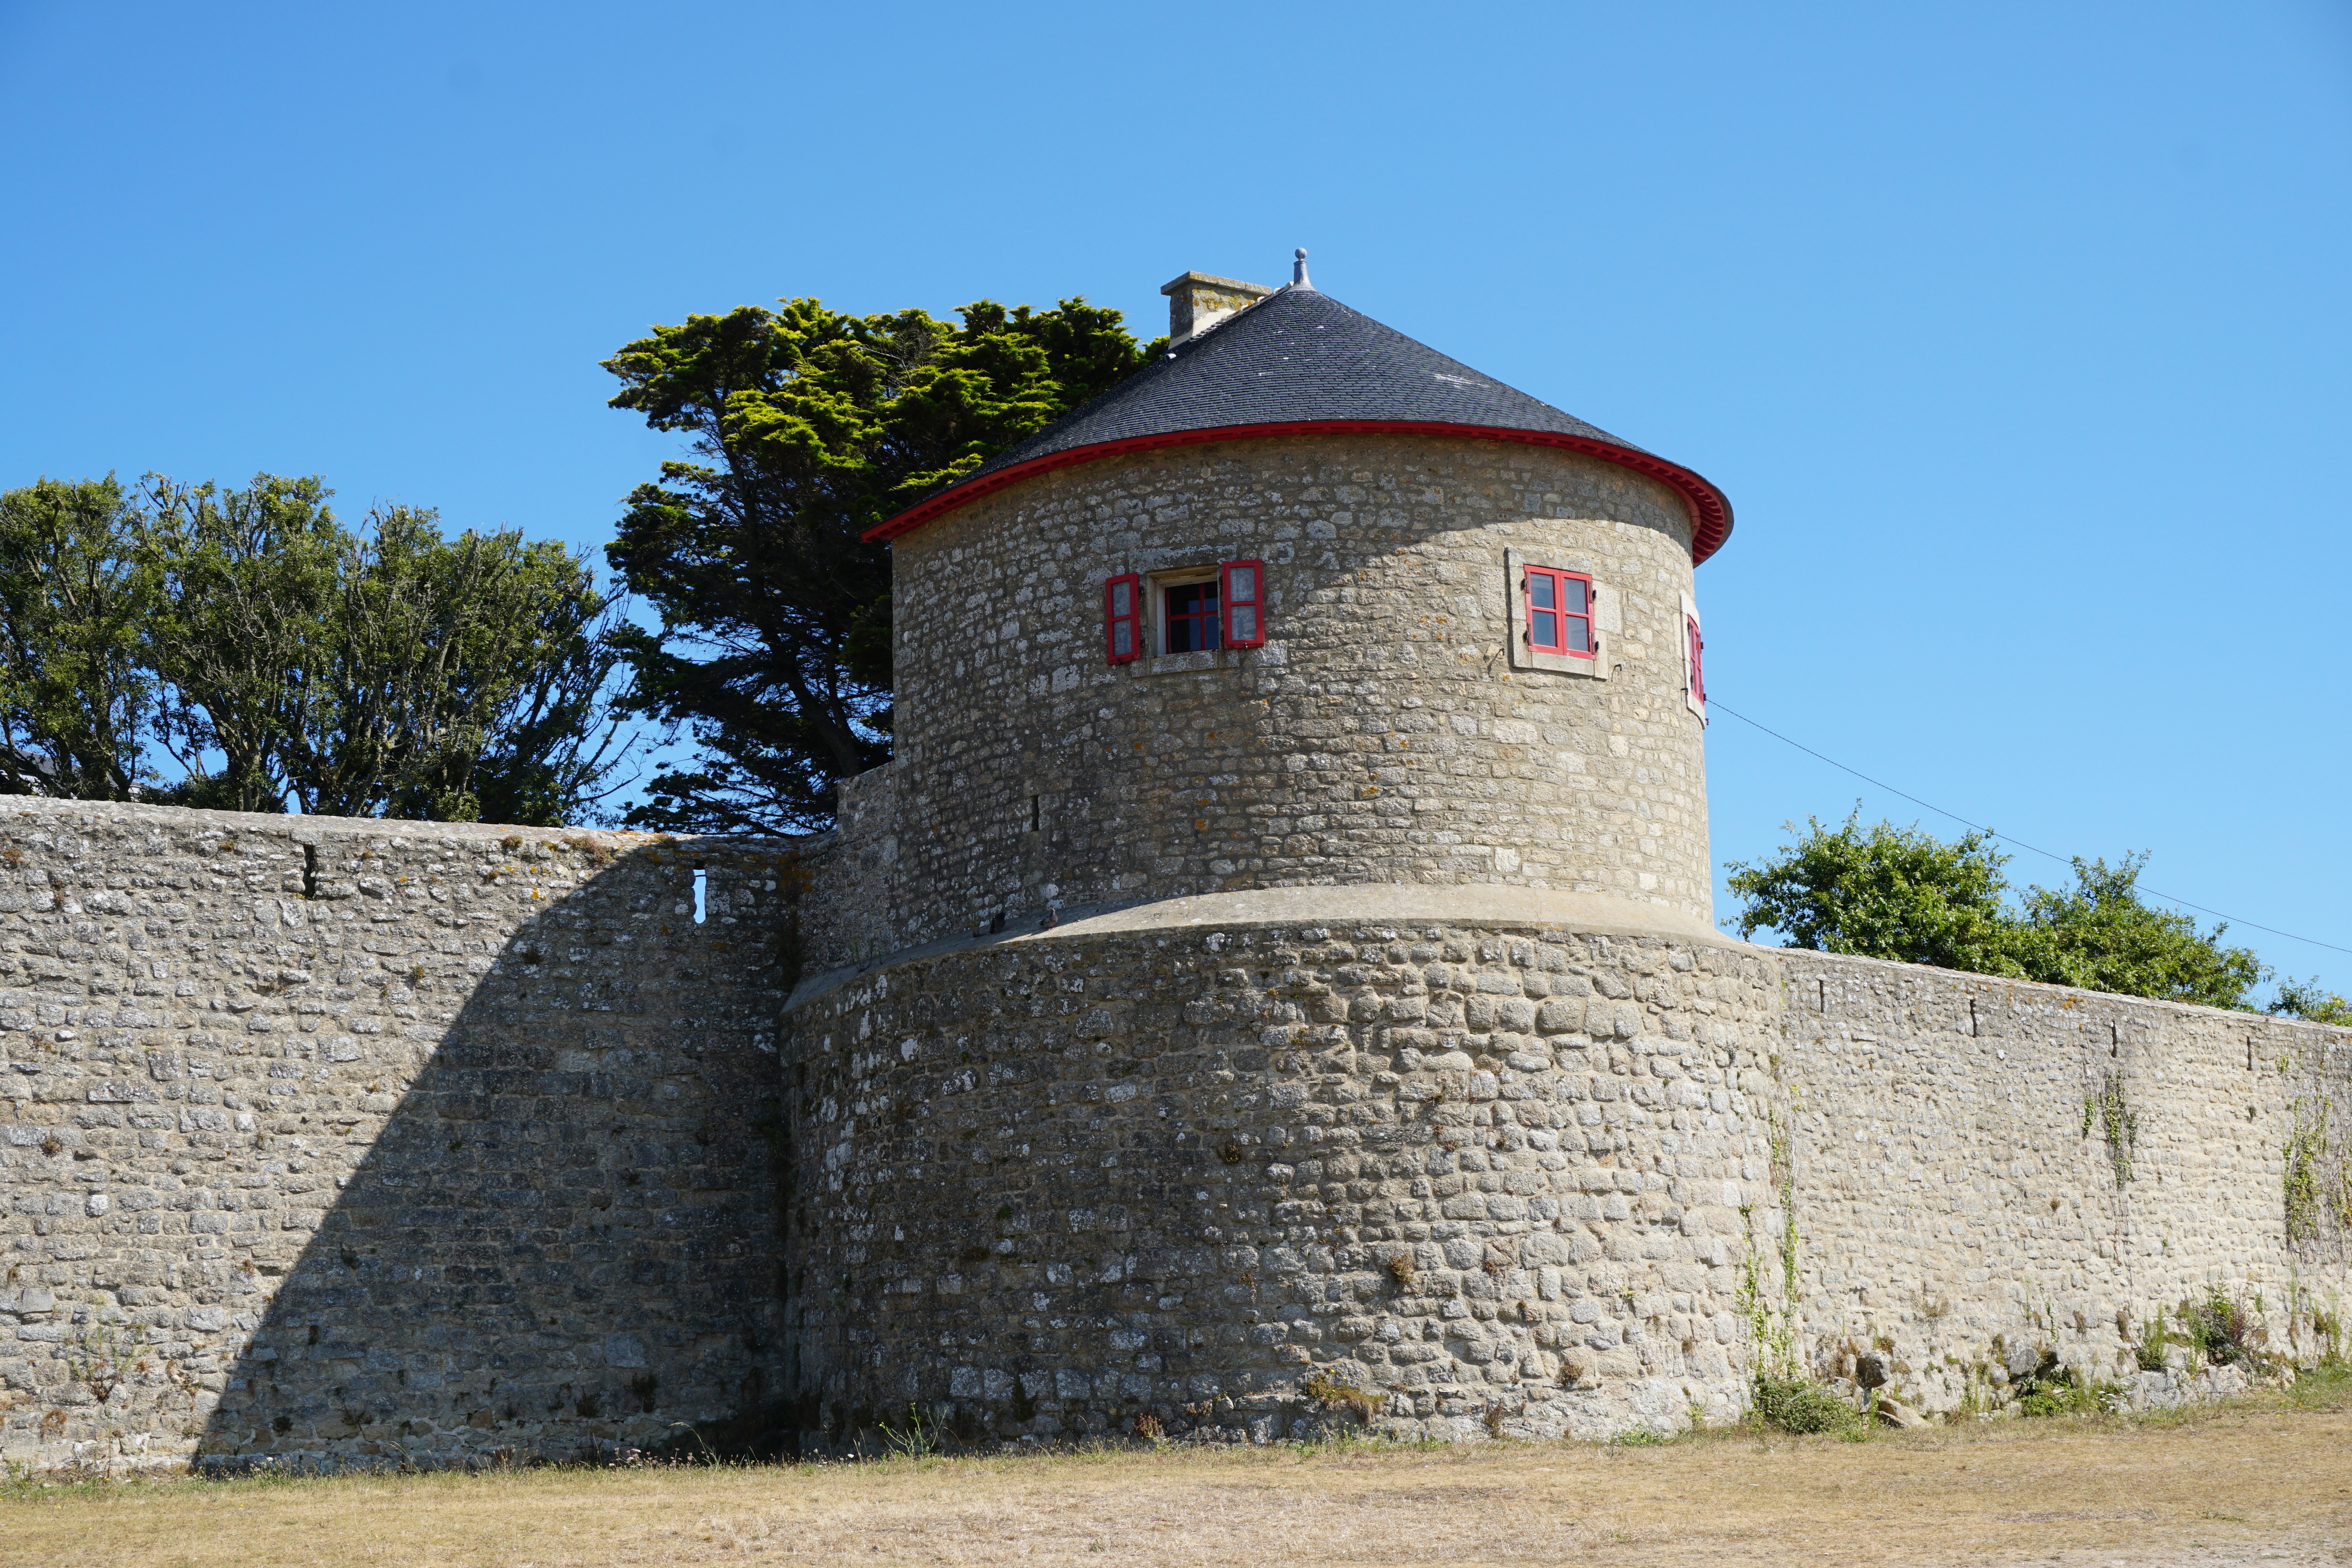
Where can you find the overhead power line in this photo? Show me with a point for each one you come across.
(2063, 859)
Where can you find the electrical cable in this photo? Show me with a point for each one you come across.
(1712, 705)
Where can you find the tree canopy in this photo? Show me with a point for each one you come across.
(1883, 892)
(282, 659)
(806, 427)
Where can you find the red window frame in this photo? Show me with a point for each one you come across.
(1129, 619)
(1245, 613)
(1555, 618)
(1697, 646)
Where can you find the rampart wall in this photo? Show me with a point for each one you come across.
(370, 1142)
(365, 1141)
(1527, 1178)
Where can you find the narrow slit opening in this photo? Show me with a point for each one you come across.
(702, 893)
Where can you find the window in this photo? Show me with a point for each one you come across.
(1242, 584)
(1197, 610)
(1192, 619)
(1693, 662)
(1123, 618)
(1559, 611)
(1559, 615)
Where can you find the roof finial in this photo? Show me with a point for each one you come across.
(1299, 271)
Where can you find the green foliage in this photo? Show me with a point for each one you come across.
(2101, 935)
(2224, 1330)
(75, 695)
(1328, 1391)
(281, 658)
(1883, 892)
(806, 427)
(2307, 1000)
(1800, 1405)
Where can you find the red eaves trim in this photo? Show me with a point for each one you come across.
(1710, 513)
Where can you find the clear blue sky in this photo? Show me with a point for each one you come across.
(2016, 334)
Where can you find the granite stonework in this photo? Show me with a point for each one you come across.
(1987, 1172)
(1521, 1181)
(1504, 1181)
(1380, 735)
(362, 1142)
(373, 1140)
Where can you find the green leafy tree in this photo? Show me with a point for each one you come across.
(2313, 1002)
(390, 671)
(806, 427)
(281, 658)
(2102, 935)
(245, 579)
(1883, 892)
(75, 698)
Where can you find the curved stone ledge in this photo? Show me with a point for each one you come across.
(1480, 905)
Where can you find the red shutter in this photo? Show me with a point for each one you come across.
(1698, 670)
(1240, 589)
(1123, 618)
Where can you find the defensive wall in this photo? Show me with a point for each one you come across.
(1523, 1170)
(372, 1142)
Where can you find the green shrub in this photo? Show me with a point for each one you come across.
(1798, 1404)
(2225, 1331)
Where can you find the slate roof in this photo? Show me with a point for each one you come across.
(1299, 361)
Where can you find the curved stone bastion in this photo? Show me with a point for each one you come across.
(1190, 1164)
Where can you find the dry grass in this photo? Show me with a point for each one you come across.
(2271, 1484)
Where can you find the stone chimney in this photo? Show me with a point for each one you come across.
(1199, 300)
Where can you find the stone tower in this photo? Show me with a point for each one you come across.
(1289, 742)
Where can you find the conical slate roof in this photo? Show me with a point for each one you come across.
(1300, 363)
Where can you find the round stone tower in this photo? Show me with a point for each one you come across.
(1279, 955)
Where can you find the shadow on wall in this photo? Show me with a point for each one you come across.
(561, 1238)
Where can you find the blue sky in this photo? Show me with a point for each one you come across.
(2016, 334)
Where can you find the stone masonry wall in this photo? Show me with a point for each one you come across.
(1526, 1182)
(357, 1141)
(1985, 1172)
(1499, 1180)
(1380, 735)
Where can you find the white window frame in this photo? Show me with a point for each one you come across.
(1158, 583)
(1606, 618)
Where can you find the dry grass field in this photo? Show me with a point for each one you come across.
(2267, 1481)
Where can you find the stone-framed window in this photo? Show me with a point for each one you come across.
(1560, 614)
(1185, 616)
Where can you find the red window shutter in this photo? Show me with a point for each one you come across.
(1241, 589)
(1123, 618)
(1697, 668)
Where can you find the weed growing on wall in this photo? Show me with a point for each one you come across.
(2226, 1330)
(2116, 1122)
(1332, 1393)
(2305, 1151)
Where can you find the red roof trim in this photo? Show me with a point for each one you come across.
(1710, 513)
